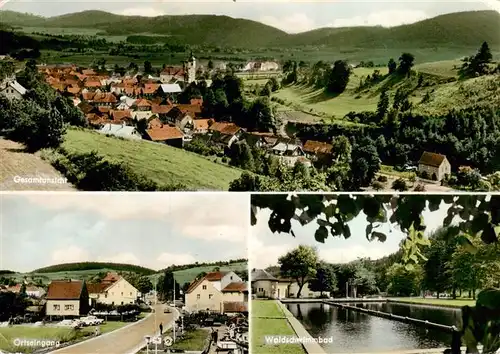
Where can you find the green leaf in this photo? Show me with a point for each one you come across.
(347, 231)
(321, 234)
(409, 267)
(479, 222)
(369, 229)
(371, 207)
(466, 243)
(330, 211)
(322, 222)
(381, 236)
(489, 235)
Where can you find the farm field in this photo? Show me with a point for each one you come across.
(161, 163)
(18, 163)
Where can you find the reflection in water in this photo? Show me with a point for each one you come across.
(354, 331)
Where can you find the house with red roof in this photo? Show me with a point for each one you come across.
(225, 133)
(221, 291)
(164, 133)
(434, 166)
(67, 298)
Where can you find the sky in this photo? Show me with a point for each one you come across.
(265, 247)
(289, 15)
(152, 230)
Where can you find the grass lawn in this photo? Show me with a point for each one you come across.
(61, 334)
(263, 325)
(441, 302)
(188, 275)
(389, 170)
(161, 163)
(193, 340)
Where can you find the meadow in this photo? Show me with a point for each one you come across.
(160, 163)
(187, 275)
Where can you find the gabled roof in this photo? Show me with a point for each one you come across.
(164, 133)
(173, 71)
(262, 274)
(431, 159)
(65, 290)
(215, 276)
(111, 277)
(285, 147)
(96, 288)
(192, 109)
(150, 88)
(315, 147)
(225, 128)
(118, 130)
(18, 87)
(202, 124)
(171, 88)
(160, 109)
(194, 284)
(142, 103)
(236, 286)
(105, 97)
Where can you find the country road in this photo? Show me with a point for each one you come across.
(125, 340)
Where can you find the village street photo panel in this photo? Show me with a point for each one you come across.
(123, 273)
(374, 274)
(252, 96)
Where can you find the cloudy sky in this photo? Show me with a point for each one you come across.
(289, 15)
(152, 230)
(266, 247)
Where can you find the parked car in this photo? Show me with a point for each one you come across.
(70, 323)
(91, 321)
(167, 310)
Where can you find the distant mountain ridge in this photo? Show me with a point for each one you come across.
(455, 29)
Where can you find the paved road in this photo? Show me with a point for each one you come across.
(124, 340)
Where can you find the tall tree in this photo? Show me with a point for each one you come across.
(392, 66)
(382, 106)
(339, 77)
(325, 279)
(406, 62)
(148, 67)
(299, 264)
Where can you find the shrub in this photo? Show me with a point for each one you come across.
(382, 178)
(399, 185)
(377, 185)
(419, 188)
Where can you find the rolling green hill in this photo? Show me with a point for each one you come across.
(82, 266)
(462, 29)
(75, 271)
(456, 29)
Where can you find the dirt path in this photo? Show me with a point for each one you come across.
(122, 341)
(20, 170)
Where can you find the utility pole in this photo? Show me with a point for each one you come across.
(347, 289)
(175, 308)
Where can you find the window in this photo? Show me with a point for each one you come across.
(231, 277)
(69, 307)
(198, 297)
(210, 296)
(57, 307)
(122, 302)
(122, 293)
(105, 296)
(204, 287)
(261, 289)
(130, 293)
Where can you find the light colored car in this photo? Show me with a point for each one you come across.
(91, 321)
(70, 323)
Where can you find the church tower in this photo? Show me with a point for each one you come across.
(190, 69)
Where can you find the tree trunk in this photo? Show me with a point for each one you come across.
(470, 294)
(301, 285)
(437, 295)
(460, 292)
(454, 293)
(473, 294)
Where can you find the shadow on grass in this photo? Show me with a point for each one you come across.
(19, 150)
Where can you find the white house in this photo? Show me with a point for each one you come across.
(12, 89)
(170, 88)
(218, 292)
(112, 290)
(121, 130)
(436, 166)
(265, 285)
